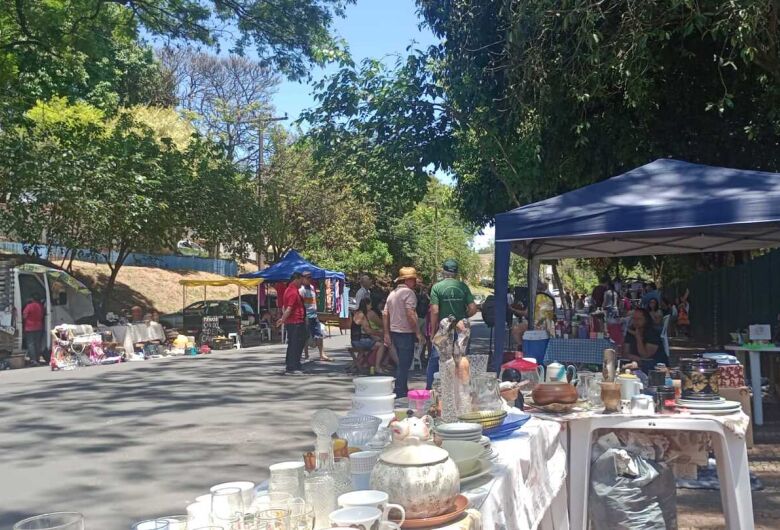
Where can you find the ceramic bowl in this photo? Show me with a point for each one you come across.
(374, 405)
(373, 386)
(548, 393)
(466, 455)
(358, 430)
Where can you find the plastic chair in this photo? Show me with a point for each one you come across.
(730, 455)
(665, 333)
(265, 331)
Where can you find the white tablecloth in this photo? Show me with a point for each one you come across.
(130, 334)
(528, 478)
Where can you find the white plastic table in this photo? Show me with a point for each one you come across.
(755, 376)
(730, 455)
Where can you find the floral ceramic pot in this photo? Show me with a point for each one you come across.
(419, 476)
(699, 378)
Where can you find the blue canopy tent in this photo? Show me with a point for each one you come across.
(664, 207)
(292, 262)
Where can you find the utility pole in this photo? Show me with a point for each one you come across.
(262, 123)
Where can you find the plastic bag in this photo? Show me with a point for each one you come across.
(630, 492)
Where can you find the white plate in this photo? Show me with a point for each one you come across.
(450, 436)
(485, 467)
(709, 406)
(716, 412)
(719, 399)
(460, 427)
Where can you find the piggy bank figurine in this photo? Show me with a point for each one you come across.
(411, 428)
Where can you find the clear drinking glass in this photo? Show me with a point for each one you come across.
(301, 515)
(342, 475)
(52, 521)
(321, 496)
(284, 484)
(227, 508)
(272, 519)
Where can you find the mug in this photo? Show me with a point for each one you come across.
(373, 499)
(361, 518)
(642, 404)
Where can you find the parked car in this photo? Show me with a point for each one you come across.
(251, 300)
(190, 320)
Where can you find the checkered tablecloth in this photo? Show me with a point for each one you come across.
(583, 351)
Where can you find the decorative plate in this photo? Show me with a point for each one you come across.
(461, 503)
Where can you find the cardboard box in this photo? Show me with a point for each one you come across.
(742, 395)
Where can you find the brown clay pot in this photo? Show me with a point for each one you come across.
(547, 393)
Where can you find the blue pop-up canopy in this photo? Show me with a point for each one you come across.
(290, 263)
(664, 207)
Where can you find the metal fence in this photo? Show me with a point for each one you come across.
(732, 298)
(172, 262)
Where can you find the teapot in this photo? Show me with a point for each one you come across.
(630, 385)
(557, 372)
(411, 429)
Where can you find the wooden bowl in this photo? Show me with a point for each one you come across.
(548, 393)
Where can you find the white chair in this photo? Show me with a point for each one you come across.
(265, 331)
(730, 456)
(665, 334)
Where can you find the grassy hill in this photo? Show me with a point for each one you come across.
(149, 287)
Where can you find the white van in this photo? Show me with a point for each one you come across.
(67, 301)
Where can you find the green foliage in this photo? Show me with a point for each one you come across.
(549, 95)
(114, 186)
(78, 49)
(312, 212)
(432, 232)
(381, 126)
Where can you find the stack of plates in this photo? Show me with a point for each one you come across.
(482, 470)
(718, 406)
(468, 432)
(486, 418)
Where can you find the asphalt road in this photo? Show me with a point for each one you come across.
(126, 442)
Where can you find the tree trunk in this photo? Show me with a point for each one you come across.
(114, 268)
(559, 284)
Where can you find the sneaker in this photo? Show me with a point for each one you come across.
(294, 372)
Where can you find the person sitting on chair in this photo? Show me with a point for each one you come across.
(366, 339)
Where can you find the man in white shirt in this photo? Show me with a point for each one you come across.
(365, 289)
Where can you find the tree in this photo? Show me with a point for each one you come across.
(525, 100)
(112, 185)
(80, 49)
(554, 95)
(432, 232)
(382, 128)
(310, 211)
(226, 97)
(289, 34)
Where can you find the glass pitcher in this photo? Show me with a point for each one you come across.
(485, 393)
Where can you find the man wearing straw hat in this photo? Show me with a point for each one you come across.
(400, 323)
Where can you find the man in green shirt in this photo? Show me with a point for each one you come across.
(449, 297)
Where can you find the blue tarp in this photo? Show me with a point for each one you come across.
(664, 207)
(292, 262)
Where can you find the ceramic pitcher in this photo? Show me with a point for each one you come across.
(558, 373)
